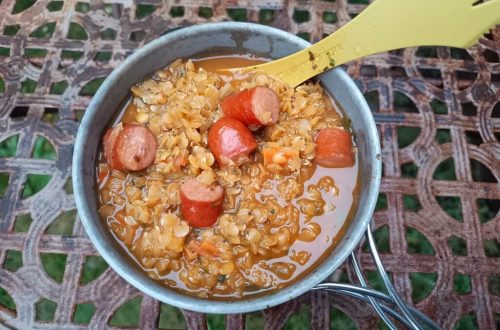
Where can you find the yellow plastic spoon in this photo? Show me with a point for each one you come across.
(387, 25)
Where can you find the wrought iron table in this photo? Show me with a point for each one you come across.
(438, 114)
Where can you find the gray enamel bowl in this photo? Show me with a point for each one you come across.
(205, 40)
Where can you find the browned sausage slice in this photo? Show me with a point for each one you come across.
(253, 107)
(334, 148)
(201, 204)
(135, 147)
(230, 141)
(109, 142)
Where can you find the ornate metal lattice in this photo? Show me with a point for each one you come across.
(52, 55)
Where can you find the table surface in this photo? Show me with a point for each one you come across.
(438, 115)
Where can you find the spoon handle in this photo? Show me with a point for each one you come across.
(387, 25)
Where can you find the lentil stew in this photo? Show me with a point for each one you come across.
(227, 185)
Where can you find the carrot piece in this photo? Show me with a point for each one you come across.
(181, 161)
(209, 248)
(203, 248)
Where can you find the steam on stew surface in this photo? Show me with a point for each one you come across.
(222, 186)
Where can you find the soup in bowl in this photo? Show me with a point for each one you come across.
(222, 192)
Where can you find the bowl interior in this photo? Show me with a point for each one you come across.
(202, 41)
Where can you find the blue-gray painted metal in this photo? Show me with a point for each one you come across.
(213, 39)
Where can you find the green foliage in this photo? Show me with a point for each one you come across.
(143, 10)
(44, 31)
(77, 32)
(54, 265)
(254, 321)
(300, 320)
(467, 322)
(381, 202)
(406, 135)
(45, 310)
(457, 245)
(409, 170)
(330, 17)
(216, 321)
(375, 280)
(205, 12)
(4, 181)
(71, 54)
(462, 284)
(128, 314)
(35, 52)
(13, 260)
(91, 87)
(381, 236)
(445, 170)
(22, 5)
(403, 103)
(35, 183)
(177, 11)
(83, 313)
(171, 318)
(44, 149)
(238, 15)
(93, 267)
(439, 107)
(22, 223)
(492, 248)
(28, 86)
(55, 5)
(339, 320)
(6, 300)
(443, 136)
(418, 243)
(82, 7)
(59, 87)
(266, 16)
(301, 16)
(411, 203)
(11, 30)
(422, 285)
(452, 206)
(63, 224)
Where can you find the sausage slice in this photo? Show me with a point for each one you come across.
(109, 142)
(334, 148)
(134, 148)
(253, 107)
(201, 204)
(230, 141)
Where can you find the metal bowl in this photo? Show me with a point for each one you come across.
(203, 40)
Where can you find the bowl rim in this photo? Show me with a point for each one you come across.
(140, 280)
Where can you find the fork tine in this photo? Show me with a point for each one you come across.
(489, 5)
(488, 11)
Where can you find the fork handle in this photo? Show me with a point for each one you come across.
(384, 25)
